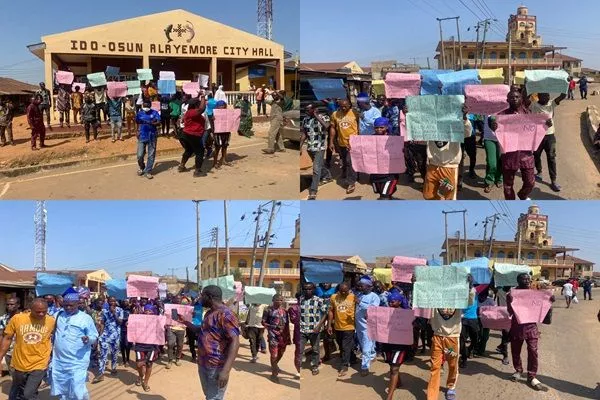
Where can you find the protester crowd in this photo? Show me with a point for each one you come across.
(327, 128)
(60, 339)
(337, 314)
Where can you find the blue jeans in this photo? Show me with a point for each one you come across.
(210, 385)
(141, 152)
(320, 172)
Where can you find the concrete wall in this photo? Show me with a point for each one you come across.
(592, 120)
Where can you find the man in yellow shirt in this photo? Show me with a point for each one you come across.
(344, 123)
(33, 332)
(341, 318)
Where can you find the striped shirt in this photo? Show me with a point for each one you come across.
(316, 134)
(311, 312)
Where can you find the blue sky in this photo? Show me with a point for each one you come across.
(416, 228)
(403, 29)
(25, 23)
(125, 236)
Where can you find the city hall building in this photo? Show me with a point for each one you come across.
(177, 40)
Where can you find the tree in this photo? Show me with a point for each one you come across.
(237, 275)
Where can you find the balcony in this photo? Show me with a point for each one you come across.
(503, 62)
(536, 262)
(283, 272)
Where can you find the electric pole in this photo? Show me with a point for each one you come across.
(227, 259)
(495, 218)
(446, 233)
(264, 264)
(519, 245)
(198, 262)
(172, 272)
(216, 233)
(465, 234)
(442, 41)
(258, 214)
(187, 278)
(459, 49)
(477, 44)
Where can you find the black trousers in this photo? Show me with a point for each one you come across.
(192, 145)
(345, 340)
(470, 330)
(416, 158)
(548, 145)
(25, 385)
(254, 335)
(191, 337)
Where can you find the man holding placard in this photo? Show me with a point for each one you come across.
(63, 105)
(548, 145)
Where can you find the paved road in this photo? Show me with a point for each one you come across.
(569, 367)
(578, 174)
(253, 176)
(182, 383)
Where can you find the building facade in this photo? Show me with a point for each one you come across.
(532, 246)
(527, 50)
(176, 40)
(283, 268)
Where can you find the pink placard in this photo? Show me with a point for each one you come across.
(400, 86)
(390, 325)
(521, 131)
(494, 317)
(239, 291)
(192, 88)
(116, 89)
(530, 305)
(227, 120)
(146, 329)
(423, 312)
(403, 268)
(186, 312)
(142, 286)
(155, 106)
(486, 99)
(377, 154)
(64, 77)
(81, 87)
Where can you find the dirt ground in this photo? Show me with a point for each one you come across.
(182, 383)
(569, 367)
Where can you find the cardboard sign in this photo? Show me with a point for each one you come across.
(390, 325)
(377, 154)
(146, 329)
(142, 286)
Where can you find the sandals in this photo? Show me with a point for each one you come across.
(505, 361)
(312, 197)
(350, 189)
(535, 384)
(315, 371)
(138, 382)
(451, 394)
(487, 189)
(145, 387)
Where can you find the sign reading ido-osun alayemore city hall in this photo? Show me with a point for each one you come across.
(177, 40)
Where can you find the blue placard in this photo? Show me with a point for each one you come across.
(167, 87)
(455, 82)
(430, 83)
(322, 271)
(478, 268)
(257, 72)
(112, 71)
(328, 88)
(54, 284)
(117, 288)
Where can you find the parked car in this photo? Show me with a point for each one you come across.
(291, 126)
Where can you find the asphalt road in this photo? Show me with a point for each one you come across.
(578, 173)
(569, 367)
(253, 175)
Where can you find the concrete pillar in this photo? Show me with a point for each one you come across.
(233, 76)
(213, 70)
(49, 80)
(280, 74)
(146, 61)
(88, 62)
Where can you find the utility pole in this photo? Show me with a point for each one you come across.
(495, 218)
(509, 57)
(453, 53)
(485, 29)
(477, 44)
(428, 64)
(198, 262)
(187, 278)
(459, 50)
(446, 232)
(457, 235)
(264, 264)
(227, 259)
(258, 214)
(172, 272)
(216, 233)
(519, 241)
(465, 233)
(442, 41)
(484, 232)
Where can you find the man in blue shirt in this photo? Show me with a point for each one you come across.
(470, 327)
(368, 115)
(148, 121)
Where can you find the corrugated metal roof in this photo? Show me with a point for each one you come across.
(10, 86)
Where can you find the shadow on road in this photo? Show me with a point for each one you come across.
(264, 371)
(146, 396)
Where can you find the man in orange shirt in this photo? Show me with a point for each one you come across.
(33, 344)
(344, 123)
(341, 318)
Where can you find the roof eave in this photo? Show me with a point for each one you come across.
(38, 50)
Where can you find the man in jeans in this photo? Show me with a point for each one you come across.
(148, 121)
(255, 328)
(218, 343)
(313, 313)
(33, 344)
(341, 317)
(260, 100)
(314, 133)
(344, 123)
